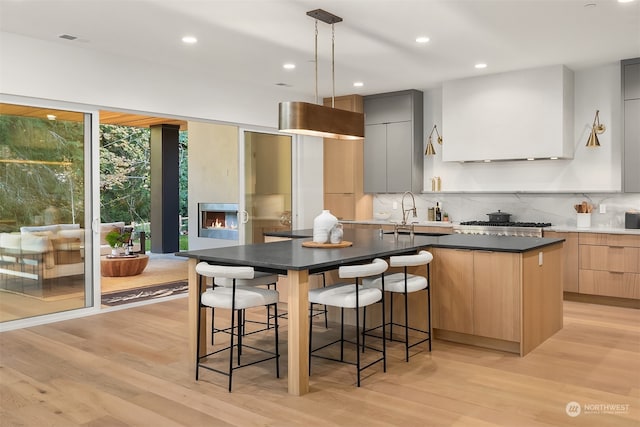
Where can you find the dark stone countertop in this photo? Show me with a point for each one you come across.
(453, 241)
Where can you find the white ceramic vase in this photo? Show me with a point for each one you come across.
(336, 234)
(322, 225)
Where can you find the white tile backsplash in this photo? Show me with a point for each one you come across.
(554, 208)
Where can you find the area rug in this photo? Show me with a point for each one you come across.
(145, 293)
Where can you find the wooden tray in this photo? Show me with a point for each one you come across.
(312, 244)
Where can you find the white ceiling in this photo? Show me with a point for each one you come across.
(250, 40)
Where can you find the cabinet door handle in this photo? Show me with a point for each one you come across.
(616, 272)
(616, 247)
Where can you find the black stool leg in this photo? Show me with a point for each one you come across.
(342, 334)
(231, 348)
(384, 342)
(310, 334)
(429, 304)
(391, 317)
(275, 321)
(324, 285)
(198, 340)
(240, 332)
(406, 317)
(358, 331)
(364, 326)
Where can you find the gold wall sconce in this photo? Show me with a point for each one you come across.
(430, 151)
(596, 129)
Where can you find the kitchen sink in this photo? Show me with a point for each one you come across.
(418, 233)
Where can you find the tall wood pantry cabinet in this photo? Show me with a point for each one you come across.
(343, 170)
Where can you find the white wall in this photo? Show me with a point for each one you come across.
(57, 71)
(591, 170)
(556, 208)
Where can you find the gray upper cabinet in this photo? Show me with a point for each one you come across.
(393, 158)
(631, 157)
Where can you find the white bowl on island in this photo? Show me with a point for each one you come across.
(383, 216)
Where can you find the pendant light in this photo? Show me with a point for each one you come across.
(305, 118)
(430, 151)
(596, 129)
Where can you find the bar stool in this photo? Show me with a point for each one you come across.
(259, 279)
(321, 311)
(404, 283)
(348, 295)
(237, 299)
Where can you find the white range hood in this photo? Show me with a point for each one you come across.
(516, 115)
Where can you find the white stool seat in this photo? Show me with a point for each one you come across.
(259, 279)
(395, 283)
(245, 297)
(344, 295)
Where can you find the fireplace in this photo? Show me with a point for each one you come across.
(218, 220)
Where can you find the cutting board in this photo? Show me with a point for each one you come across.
(312, 244)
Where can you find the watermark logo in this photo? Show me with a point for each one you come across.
(573, 409)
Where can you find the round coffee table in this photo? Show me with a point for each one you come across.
(123, 266)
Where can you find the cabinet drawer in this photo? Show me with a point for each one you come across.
(622, 285)
(609, 239)
(610, 258)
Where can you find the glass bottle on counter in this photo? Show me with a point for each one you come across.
(438, 212)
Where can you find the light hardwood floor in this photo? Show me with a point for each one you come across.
(65, 294)
(132, 367)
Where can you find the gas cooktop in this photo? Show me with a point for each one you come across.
(507, 224)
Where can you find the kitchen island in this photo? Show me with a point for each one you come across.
(497, 292)
(291, 258)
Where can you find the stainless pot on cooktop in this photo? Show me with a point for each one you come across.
(499, 216)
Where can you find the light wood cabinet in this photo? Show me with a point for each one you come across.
(477, 293)
(453, 294)
(569, 259)
(609, 265)
(343, 170)
(502, 300)
(496, 295)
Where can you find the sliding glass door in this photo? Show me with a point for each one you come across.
(44, 217)
(267, 184)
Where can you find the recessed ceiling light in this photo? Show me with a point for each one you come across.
(289, 66)
(487, 161)
(189, 40)
(358, 84)
(530, 158)
(553, 158)
(422, 39)
(51, 116)
(625, 1)
(481, 65)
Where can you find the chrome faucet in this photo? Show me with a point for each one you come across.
(406, 211)
(403, 225)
